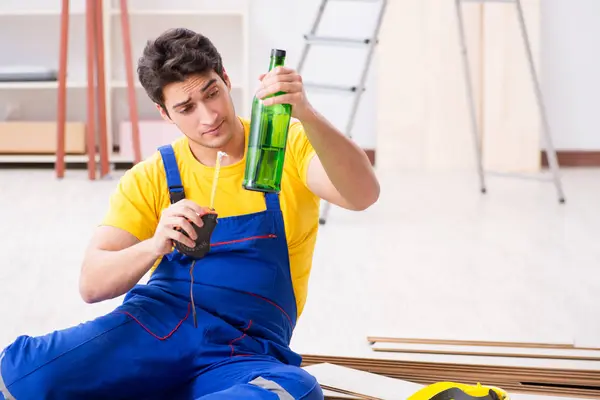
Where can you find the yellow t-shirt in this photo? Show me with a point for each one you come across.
(142, 192)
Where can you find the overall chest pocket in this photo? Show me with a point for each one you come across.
(240, 264)
(245, 255)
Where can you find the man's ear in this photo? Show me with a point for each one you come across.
(226, 79)
(163, 113)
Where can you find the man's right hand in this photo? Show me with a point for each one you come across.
(175, 219)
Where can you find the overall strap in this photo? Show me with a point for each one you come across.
(176, 192)
(272, 200)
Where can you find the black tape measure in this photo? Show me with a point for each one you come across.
(203, 234)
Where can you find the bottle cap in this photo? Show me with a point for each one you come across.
(277, 53)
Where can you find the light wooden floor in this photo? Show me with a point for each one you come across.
(434, 258)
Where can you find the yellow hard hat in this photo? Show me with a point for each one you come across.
(459, 391)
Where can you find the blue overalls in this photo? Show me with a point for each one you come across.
(148, 348)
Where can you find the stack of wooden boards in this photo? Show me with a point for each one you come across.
(534, 368)
(342, 383)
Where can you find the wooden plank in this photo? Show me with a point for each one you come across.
(351, 394)
(101, 79)
(91, 92)
(61, 118)
(532, 345)
(494, 361)
(549, 354)
(39, 137)
(521, 396)
(511, 117)
(129, 68)
(446, 122)
(333, 395)
(547, 375)
(539, 381)
(360, 383)
(419, 56)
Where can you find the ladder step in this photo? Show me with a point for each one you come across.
(325, 86)
(314, 39)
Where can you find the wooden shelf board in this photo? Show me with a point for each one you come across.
(51, 158)
(179, 13)
(40, 85)
(36, 13)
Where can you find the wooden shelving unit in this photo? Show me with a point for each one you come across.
(37, 24)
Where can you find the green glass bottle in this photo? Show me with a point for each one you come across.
(267, 139)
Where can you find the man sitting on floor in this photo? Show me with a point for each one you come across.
(246, 294)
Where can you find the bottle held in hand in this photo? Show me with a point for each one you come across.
(267, 140)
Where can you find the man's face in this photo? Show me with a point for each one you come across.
(202, 108)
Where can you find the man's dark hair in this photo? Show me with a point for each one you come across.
(172, 57)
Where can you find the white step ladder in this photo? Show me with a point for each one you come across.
(550, 150)
(313, 38)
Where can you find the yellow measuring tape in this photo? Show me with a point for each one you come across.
(220, 156)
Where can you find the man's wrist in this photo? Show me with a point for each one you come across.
(307, 115)
(148, 249)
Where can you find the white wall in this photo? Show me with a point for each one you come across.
(570, 67)
(272, 26)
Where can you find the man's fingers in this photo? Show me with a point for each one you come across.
(180, 224)
(190, 210)
(198, 209)
(191, 205)
(206, 210)
(183, 223)
(281, 70)
(185, 212)
(271, 78)
(286, 87)
(290, 98)
(194, 216)
(179, 237)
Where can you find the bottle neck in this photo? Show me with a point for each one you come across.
(276, 62)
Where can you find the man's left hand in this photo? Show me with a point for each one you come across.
(288, 81)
